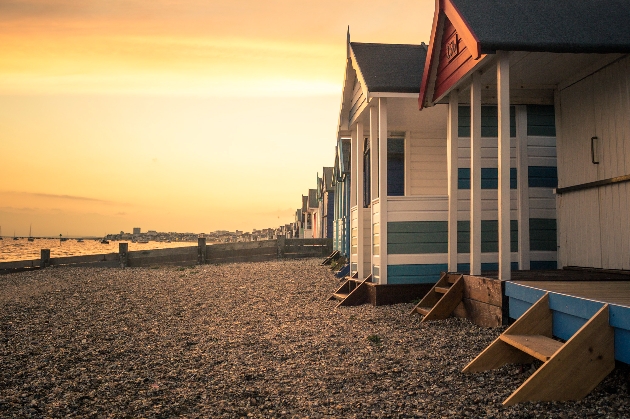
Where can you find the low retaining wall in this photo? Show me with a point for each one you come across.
(259, 251)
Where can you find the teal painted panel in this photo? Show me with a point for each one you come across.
(415, 273)
(541, 120)
(417, 227)
(417, 237)
(416, 248)
(489, 236)
(489, 121)
(543, 234)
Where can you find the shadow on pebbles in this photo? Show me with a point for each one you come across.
(244, 340)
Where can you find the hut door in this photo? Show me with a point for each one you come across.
(578, 212)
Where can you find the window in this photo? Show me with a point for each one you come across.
(396, 167)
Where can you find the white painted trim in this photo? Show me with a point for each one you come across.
(373, 178)
(361, 214)
(382, 186)
(392, 94)
(522, 187)
(452, 144)
(475, 175)
(503, 93)
(492, 257)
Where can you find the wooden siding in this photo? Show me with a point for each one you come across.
(489, 236)
(358, 99)
(489, 121)
(593, 223)
(450, 71)
(418, 208)
(427, 166)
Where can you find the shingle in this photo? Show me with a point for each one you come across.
(395, 68)
(600, 26)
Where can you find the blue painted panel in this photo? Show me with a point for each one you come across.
(465, 267)
(542, 177)
(415, 274)
(489, 178)
(619, 317)
(575, 306)
(542, 265)
(565, 325)
(523, 293)
(622, 345)
(517, 308)
(489, 121)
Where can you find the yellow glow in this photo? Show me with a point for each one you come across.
(191, 116)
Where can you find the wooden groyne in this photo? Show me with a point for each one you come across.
(258, 251)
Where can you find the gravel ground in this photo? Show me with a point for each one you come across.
(244, 340)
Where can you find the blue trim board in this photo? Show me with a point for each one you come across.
(570, 313)
(415, 274)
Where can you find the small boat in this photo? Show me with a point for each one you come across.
(104, 241)
(30, 233)
(14, 238)
(79, 240)
(1, 233)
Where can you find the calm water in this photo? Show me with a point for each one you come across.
(22, 249)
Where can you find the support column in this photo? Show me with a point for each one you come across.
(353, 199)
(123, 254)
(475, 175)
(503, 93)
(522, 185)
(373, 171)
(360, 214)
(382, 186)
(452, 137)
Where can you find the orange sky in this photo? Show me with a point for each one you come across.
(171, 115)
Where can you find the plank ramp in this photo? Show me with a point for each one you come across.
(440, 302)
(570, 370)
(330, 258)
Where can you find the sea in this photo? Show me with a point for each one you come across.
(22, 249)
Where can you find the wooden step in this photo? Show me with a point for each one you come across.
(452, 278)
(423, 310)
(538, 346)
(441, 290)
(339, 296)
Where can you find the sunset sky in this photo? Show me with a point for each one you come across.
(186, 115)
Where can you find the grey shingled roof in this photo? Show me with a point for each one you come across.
(393, 68)
(601, 26)
(327, 178)
(312, 198)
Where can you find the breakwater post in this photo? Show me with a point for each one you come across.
(123, 253)
(281, 243)
(44, 258)
(201, 251)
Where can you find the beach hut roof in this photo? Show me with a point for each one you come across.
(393, 68)
(564, 26)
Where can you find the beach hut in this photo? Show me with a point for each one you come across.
(327, 202)
(341, 182)
(550, 73)
(398, 197)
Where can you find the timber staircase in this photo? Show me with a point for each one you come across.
(442, 299)
(332, 257)
(569, 371)
(352, 292)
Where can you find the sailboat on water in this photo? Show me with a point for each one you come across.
(14, 237)
(1, 233)
(30, 233)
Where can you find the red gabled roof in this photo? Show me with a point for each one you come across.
(445, 9)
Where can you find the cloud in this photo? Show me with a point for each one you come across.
(66, 197)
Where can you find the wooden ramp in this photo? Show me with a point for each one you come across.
(570, 370)
(352, 292)
(442, 299)
(332, 257)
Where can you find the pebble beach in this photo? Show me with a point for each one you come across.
(245, 340)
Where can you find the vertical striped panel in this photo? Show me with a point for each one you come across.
(415, 274)
(489, 178)
(489, 121)
(542, 234)
(541, 121)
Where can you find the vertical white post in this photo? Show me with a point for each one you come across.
(382, 186)
(475, 175)
(353, 169)
(503, 93)
(360, 215)
(373, 172)
(452, 137)
(522, 169)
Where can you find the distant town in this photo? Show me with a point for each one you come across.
(219, 236)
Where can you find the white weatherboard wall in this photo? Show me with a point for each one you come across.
(594, 223)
